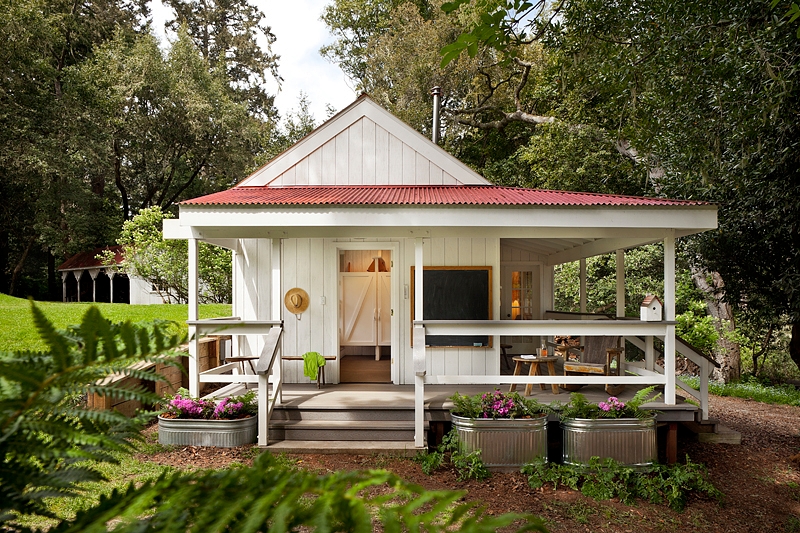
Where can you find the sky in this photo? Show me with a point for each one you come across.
(299, 35)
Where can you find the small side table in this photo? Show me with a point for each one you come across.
(534, 371)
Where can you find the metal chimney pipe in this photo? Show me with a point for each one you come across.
(437, 98)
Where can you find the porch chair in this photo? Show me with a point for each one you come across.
(596, 357)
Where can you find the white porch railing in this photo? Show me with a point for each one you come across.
(629, 374)
(690, 352)
(266, 373)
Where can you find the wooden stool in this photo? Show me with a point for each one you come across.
(534, 371)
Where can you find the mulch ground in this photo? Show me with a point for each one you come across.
(760, 479)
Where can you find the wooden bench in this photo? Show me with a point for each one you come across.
(320, 374)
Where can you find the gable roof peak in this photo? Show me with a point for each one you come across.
(364, 144)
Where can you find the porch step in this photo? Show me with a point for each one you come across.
(342, 430)
(386, 447)
(712, 432)
(354, 414)
(722, 435)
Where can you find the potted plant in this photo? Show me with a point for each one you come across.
(224, 423)
(507, 428)
(612, 429)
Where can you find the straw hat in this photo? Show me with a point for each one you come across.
(296, 300)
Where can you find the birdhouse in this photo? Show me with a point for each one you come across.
(650, 310)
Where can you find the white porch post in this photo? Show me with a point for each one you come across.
(620, 283)
(78, 274)
(621, 301)
(111, 276)
(94, 272)
(194, 341)
(582, 277)
(419, 349)
(277, 367)
(64, 286)
(669, 309)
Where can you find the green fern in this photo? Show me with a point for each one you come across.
(48, 441)
(270, 496)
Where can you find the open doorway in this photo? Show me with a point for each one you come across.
(520, 300)
(365, 316)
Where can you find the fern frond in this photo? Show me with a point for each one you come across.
(59, 347)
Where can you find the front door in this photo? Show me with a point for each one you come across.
(365, 316)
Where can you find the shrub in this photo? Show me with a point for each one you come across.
(606, 479)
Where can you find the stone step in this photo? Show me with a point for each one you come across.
(341, 430)
(386, 447)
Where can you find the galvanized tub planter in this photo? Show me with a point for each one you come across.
(629, 441)
(505, 443)
(220, 433)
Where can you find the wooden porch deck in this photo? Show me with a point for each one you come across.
(367, 418)
(389, 396)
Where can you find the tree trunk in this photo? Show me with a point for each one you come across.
(4, 243)
(727, 352)
(20, 264)
(794, 344)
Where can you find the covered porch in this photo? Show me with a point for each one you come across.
(429, 385)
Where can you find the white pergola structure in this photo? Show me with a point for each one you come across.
(365, 180)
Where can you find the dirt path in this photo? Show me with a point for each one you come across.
(760, 480)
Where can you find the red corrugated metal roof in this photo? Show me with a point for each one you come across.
(89, 259)
(488, 195)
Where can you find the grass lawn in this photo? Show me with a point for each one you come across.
(17, 331)
(118, 476)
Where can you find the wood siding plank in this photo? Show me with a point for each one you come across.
(329, 163)
(342, 153)
(409, 165)
(437, 174)
(381, 156)
(423, 170)
(395, 160)
(355, 154)
(301, 172)
(315, 168)
(368, 152)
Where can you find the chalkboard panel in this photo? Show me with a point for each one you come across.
(455, 293)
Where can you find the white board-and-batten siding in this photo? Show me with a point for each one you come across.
(364, 154)
(313, 265)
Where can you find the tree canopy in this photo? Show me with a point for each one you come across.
(100, 120)
(689, 100)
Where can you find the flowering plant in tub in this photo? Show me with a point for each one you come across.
(183, 407)
(618, 430)
(191, 421)
(496, 405)
(507, 429)
(580, 407)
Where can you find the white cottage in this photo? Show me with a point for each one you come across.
(412, 260)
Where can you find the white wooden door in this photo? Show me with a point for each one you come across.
(359, 292)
